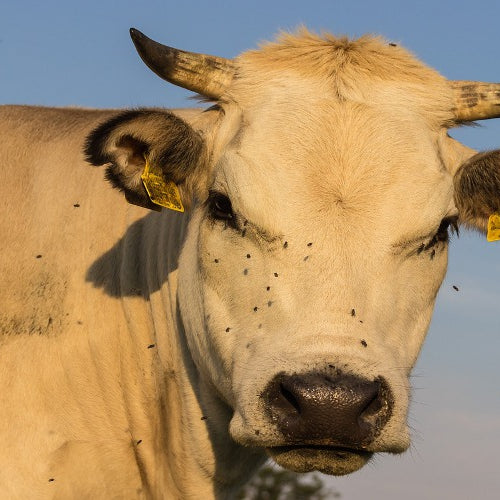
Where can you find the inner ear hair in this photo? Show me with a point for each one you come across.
(134, 149)
(477, 189)
(127, 164)
(124, 141)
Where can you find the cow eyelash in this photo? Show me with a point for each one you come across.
(219, 207)
(449, 224)
(443, 233)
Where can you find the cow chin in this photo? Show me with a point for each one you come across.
(329, 460)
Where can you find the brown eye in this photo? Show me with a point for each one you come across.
(219, 206)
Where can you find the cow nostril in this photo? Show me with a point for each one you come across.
(374, 406)
(290, 398)
(377, 409)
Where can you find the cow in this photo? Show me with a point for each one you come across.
(151, 353)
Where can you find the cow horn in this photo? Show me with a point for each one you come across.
(208, 75)
(476, 100)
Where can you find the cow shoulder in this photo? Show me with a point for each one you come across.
(126, 140)
(477, 189)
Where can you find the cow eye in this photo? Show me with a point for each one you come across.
(220, 207)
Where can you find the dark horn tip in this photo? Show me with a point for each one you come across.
(135, 34)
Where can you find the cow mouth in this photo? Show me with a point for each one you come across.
(333, 460)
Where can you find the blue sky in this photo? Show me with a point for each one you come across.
(79, 53)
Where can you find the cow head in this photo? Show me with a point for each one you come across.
(325, 187)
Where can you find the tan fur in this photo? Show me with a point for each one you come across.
(367, 69)
(77, 379)
(136, 345)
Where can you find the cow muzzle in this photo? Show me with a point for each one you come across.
(328, 422)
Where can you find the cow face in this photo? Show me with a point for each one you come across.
(318, 239)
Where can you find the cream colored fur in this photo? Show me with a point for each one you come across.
(118, 378)
(79, 387)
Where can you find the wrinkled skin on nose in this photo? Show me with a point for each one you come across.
(321, 409)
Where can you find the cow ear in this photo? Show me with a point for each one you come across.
(126, 140)
(477, 189)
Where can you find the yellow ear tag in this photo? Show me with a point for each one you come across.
(161, 192)
(493, 228)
